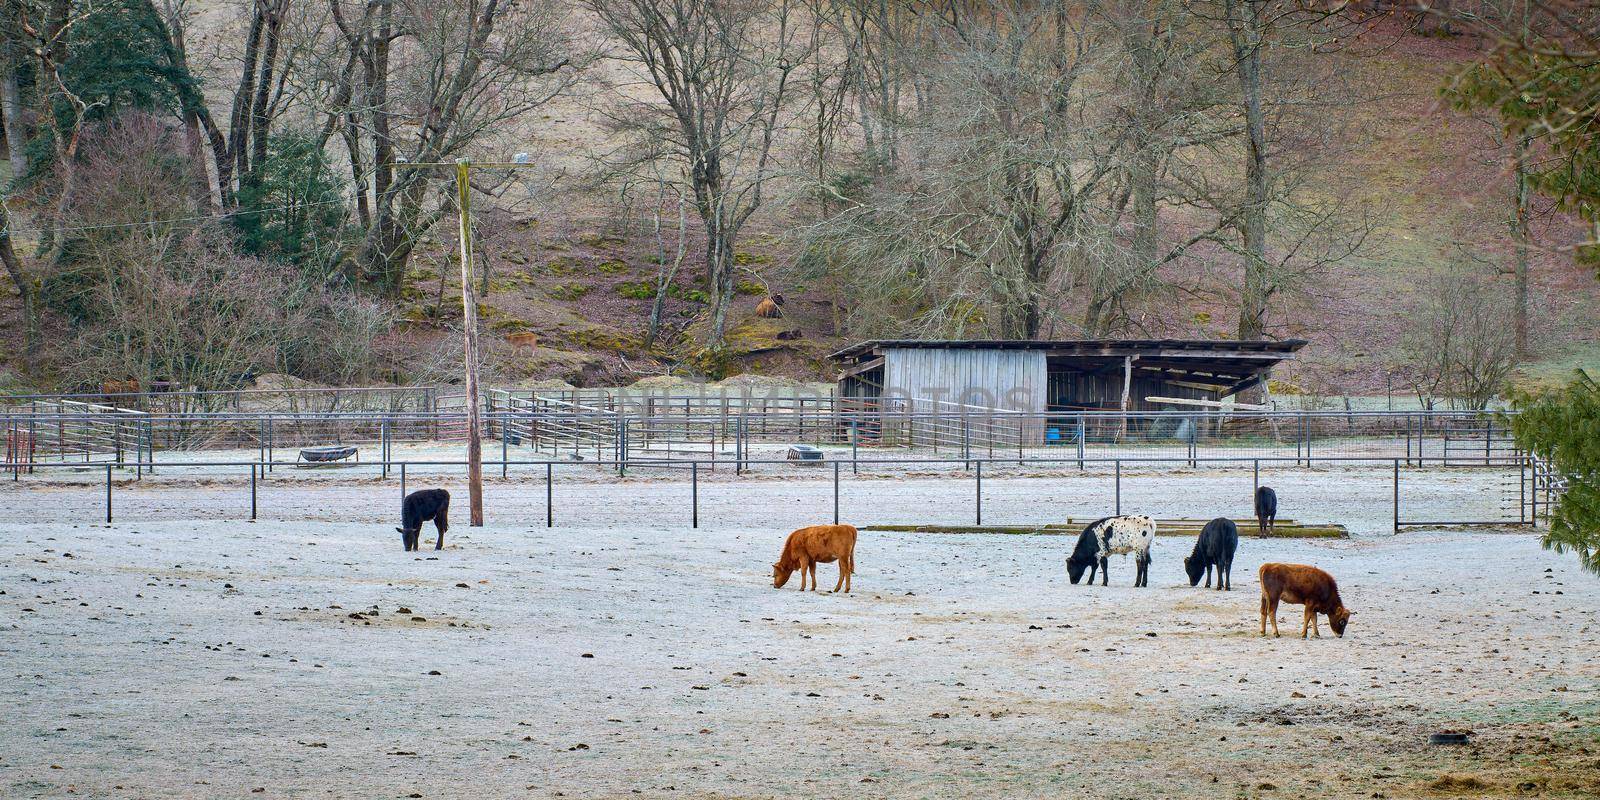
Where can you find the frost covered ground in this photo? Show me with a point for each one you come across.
(180, 653)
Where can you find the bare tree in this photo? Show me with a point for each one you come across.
(1456, 346)
(722, 71)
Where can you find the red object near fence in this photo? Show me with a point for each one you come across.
(20, 448)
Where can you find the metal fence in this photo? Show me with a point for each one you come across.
(85, 433)
(961, 488)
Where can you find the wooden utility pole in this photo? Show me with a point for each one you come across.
(1127, 384)
(469, 324)
(469, 319)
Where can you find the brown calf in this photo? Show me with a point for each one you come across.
(1298, 583)
(818, 544)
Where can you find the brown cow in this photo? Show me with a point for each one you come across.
(523, 339)
(770, 307)
(818, 544)
(1298, 583)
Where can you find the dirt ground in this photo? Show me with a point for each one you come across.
(312, 658)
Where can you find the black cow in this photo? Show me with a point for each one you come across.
(419, 507)
(1214, 548)
(1266, 511)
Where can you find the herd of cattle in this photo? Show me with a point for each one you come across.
(1130, 534)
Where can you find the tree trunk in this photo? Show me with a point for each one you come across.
(1520, 236)
(239, 119)
(260, 113)
(30, 309)
(11, 104)
(1245, 33)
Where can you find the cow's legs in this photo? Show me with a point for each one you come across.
(1105, 571)
(1316, 629)
(813, 576)
(1306, 620)
(844, 569)
(1208, 576)
(1144, 570)
(1263, 611)
(1225, 569)
(441, 524)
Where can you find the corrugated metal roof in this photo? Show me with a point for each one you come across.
(1086, 347)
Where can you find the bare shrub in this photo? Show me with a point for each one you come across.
(1459, 345)
(157, 292)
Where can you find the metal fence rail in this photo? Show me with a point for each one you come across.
(67, 431)
(254, 474)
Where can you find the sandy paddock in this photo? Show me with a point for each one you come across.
(216, 658)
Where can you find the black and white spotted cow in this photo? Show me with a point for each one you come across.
(1111, 536)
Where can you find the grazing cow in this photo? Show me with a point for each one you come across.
(818, 544)
(419, 507)
(1113, 536)
(520, 339)
(1266, 511)
(1214, 547)
(770, 306)
(1298, 583)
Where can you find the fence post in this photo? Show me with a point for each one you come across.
(1119, 487)
(383, 444)
(978, 506)
(836, 493)
(549, 495)
(1397, 495)
(253, 492)
(402, 481)
(855, 443)
(694, 494)
(1257, 476)
(1083, 435)
(1522, 488)
(108, 494)
(505, 441)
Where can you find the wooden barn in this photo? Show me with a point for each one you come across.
(1057, 376)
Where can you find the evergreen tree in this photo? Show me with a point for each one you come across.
(292, 211)
(1563, 428)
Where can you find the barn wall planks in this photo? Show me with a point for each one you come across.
(1083, 391)
(1010, 379)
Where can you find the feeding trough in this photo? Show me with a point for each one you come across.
(327, 455)
(804, 454)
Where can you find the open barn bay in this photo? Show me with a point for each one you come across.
(315, 659)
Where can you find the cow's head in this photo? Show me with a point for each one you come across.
(409, 536)
(780, 575)
(1075, 570)
(1339, 619)
(777, 299)
(1195, 568)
